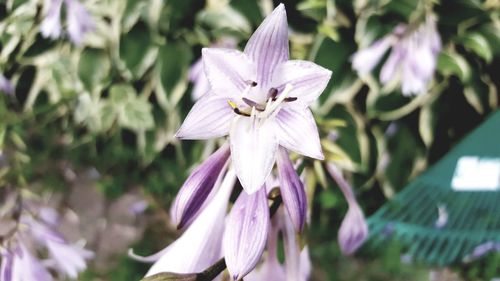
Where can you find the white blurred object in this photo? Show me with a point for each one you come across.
(474, 173)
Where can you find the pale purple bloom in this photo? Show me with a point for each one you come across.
(353, 230)
(261, 100)
(482, 250)
(51, 24)
(442, 219)
(297, 263)
(246, 233)
(412, 59)
(292, 190)
(68, 259)
(200, 245)
(78, 20)
(6, 86)
(18, 264)
(35, 232)
(196, 189)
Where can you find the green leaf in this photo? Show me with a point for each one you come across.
(136, 50)
(133, 112)
(450, 63)
(478, 44)
(173, 62)
(93, 67)
(224, 17)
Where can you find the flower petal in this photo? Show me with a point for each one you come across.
(200, 245)
(268, 46)
(308, 79)
(364, 60)
(51, 24)
(293, 266)
(253, 151)
(197, 187)
(210, 117)
(353, 230)
(391, 64)
(297, 131)
(292, 190)
(228, 71)
(246, 233)
(79, 21)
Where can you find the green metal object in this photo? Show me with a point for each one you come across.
(473, 216)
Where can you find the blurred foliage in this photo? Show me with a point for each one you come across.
(115, 102)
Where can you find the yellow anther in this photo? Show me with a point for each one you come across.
(232, 104)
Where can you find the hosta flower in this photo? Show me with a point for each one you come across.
(260, 98)
(200, 245)
(6, 86)
(78, 20)
(35, 232)
(412, 60)
(353, 230)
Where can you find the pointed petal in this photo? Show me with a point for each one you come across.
(253, 151)
(354, 229)
(228, 71)
(197, 187)
(364, 60)
(308, 79)
(200, 245)
(292, 190)
(297, 131)
(246, 233)
(210, 117)
(79, 21)
(268, 46)
(391, 65)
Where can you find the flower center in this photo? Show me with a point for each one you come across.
(266, 110)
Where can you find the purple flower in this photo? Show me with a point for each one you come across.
(35, 233)
(483, 249)
(18, 264)
(261, 100)
(412, 60)
(196, 189)
(353, 230)
(200, 245)
(6, 86)
(246, 233)
(78, 19)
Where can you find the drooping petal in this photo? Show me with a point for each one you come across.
(297, 131)
(228, 71)
(253, 151)
(246, 233)
(364, 60)
(292, 190)
(354, 229)
(391, 65)
(6, 86)
(51, 24)
(210, 117)
(307, 79)
(200, 245)
(27, 267)
(197, 187)
(268, 46)
(79, 21)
